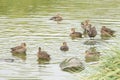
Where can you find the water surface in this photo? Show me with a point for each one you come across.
(28, 21)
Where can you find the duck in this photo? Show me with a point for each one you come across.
(92, 55)
(43, 55)
(107, 32)
(85, 23)
(19, 49)
(75, 34)
(84, 26)
(64, 47)
(58, 18)
(92, 32)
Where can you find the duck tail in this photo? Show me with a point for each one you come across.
(12, 49)
(52, 18)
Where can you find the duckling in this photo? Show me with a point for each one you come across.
(75, 34)
(43, 55)
(57, 18)
(19, 49)
(106, 32)
(92, 32)
(64, 47)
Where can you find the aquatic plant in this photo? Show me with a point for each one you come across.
(109, 68)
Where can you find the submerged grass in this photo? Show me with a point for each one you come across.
(109, 69)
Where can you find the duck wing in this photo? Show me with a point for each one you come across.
(94, 31)
(53, 18)
(64, 48)
(43, 54)
(16, 48)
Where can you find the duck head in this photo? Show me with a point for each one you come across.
(39, 49)
(58, 14)
(23, 44)
(72, 30)
(64, 43)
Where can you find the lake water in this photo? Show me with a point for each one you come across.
(28, 21)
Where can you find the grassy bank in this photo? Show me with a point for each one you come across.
(109, 68)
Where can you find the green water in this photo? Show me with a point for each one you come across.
(28, 21)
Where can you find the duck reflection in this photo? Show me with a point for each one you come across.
(90, 42)
(92, 55)
(6, 60)
(42, 61)
(21, 56)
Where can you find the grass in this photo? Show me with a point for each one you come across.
(109, 68)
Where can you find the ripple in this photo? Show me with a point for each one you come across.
(29, 22)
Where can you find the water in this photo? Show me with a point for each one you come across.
(28, 21)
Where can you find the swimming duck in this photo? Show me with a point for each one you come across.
(75, 34)
(43, 55)
(57, 18)
(107, 32)
(92, 55)
(19, 49)
(92, 32)
(64, 47)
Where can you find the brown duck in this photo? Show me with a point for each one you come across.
(43, 55)
(106, 32)
(64, 47)
(92, 55)
(75, 34)
(57, 18)
(92, 32)
(19, 49)
(84, 26)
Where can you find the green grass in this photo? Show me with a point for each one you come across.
(109, 69)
